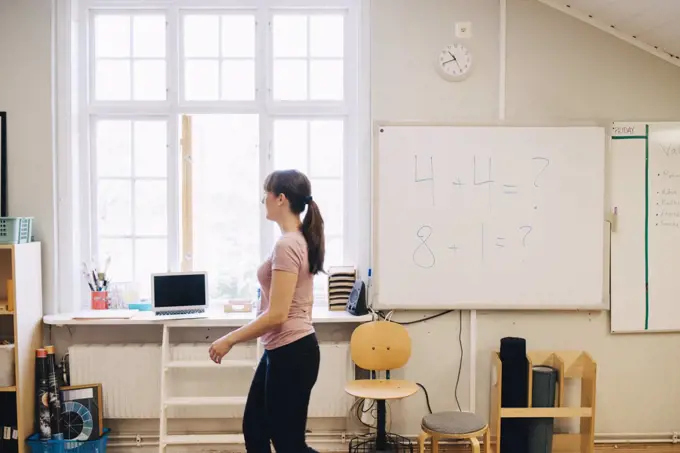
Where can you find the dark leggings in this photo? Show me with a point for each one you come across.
(279, 397)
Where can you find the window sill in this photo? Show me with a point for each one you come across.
(320, 315)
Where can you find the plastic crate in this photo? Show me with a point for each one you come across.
(16, 230)
(72, 446)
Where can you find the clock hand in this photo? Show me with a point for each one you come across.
(444, 62)
(454, 59)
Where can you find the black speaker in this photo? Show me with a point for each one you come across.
(356, 304)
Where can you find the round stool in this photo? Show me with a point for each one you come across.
(454, 425)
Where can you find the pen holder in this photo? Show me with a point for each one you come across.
(100, 300)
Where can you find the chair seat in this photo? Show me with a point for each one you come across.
(381, 389)
(453, 423)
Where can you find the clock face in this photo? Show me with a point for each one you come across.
(455, 62)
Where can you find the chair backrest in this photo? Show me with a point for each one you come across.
(380, 346)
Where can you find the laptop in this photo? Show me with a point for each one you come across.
(179, 295)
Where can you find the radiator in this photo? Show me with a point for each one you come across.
(130, 378)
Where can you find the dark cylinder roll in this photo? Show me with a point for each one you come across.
(55, 397)
(515, 393)
(43, 413)
(544, 385)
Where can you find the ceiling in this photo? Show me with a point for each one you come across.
(652, 25)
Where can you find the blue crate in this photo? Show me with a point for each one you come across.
(72, 446)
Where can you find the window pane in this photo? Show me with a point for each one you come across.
(120, 251)
(112, 80)
(290, 145)
(114, 207)
(290, 80)
(328, 195)
(111, 36)
(226, 203)
(113, 147)
(289, 35)
(151, 257)
(151, 213)
(326, 80)
(326, 35)
(333, 253)
(238, 80)
(148, 39)
(333, 258)
(238, 36)
(201, 36)
(326, 148)
(150, 148)
(149, 76)
(201, 81)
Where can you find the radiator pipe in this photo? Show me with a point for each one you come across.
(122, 440)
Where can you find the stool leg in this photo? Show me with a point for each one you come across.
(435, 444)
(475, 444)
(421, 441)
(487, 441)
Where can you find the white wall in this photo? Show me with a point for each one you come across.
(558, 70)
(26, 96)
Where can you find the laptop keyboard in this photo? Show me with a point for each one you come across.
(180, 312)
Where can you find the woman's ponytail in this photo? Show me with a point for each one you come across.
(313, 231)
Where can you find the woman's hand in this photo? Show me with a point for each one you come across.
(220, 348)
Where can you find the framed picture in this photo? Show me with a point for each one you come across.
(82, 412)
(3, 164)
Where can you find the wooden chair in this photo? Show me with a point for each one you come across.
(380, 346)
(454, 425)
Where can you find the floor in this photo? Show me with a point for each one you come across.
(654, 448)
(633, 448)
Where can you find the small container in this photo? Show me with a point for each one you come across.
(100, 300)
(7, 365)
(140, 306)
(16, 230)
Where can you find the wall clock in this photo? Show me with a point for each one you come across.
(454, 62)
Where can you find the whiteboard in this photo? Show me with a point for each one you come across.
(645, 243)
(488, 217)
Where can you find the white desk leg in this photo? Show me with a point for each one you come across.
(165, 358)
(473, 360)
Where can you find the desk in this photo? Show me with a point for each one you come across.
(141, 330)
(320, 315)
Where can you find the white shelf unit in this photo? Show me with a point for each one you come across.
(167, 401)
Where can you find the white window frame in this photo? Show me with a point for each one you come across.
(74, 51)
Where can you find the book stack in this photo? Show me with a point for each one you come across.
(340, 282)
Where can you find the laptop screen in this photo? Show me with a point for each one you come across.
(179, 290)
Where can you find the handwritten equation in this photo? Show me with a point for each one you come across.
(482, 175)
(487, 242)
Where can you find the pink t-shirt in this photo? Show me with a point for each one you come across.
(289, 255)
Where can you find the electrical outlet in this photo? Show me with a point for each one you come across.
(464, 30)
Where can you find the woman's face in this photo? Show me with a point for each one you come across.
(273, 205)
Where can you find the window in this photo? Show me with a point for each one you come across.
(189, 109)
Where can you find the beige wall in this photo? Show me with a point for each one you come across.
(26, 96)
(556, 72)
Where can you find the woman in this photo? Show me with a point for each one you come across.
(277, 403)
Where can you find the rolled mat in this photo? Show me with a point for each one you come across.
(544, 384)
(515, 393)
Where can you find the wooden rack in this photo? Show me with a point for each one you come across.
(21, 291)
(569, 365)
